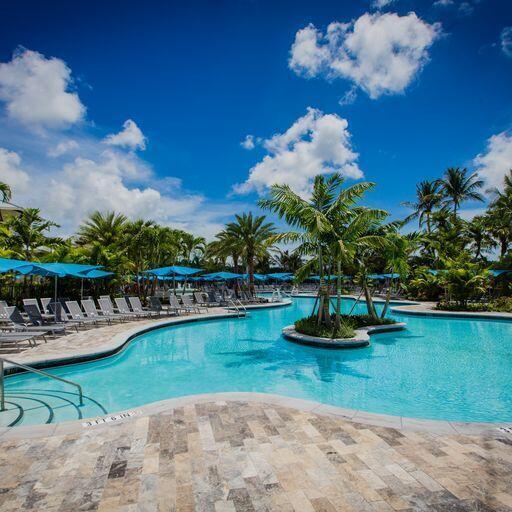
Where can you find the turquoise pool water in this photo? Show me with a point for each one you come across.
(452, 369)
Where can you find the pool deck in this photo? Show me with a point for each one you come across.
(225, 455)
(428, 309)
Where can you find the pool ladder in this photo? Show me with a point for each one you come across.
(33, 370)
(240, 309)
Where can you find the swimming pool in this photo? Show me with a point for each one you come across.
(451, 369)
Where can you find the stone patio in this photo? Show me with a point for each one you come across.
(239, 456)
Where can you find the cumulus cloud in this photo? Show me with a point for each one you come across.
(443, 3)
(380, 53)
(349, 97)
(506, 41)
(63, 147)
(36, 91)
(130, 137)
(316, 143)
(11, 171)
(248, 142)
(496, 161)
(379, 4)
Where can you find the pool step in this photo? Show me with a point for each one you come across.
(38, 406)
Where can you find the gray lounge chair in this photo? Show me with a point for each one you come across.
(58, 314)
(91, 312)
(175, 304)
(108, 309)
(156, 305)
(15, 339)
(35, 318)
(18, 323)
(45, 301)
(187, 302)
(137, 308)
(77, 314)
(122, 307)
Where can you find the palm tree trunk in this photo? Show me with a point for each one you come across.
(337, 323)
(369, 301)
(250, 268)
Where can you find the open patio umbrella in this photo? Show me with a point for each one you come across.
(221, 276)
(173, 271)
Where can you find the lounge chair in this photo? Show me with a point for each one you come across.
(174, 303)
(201, 298)
(18, 324)
(59, 314)
(16, 338)
(187, 302)
(77, 314)
(156, 305)
(45, 302)
(32, 302)
(91, 312)
(123, 308)
(108, 309)
(36, 318)
(137, 308)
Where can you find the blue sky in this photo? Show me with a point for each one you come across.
(195, 78)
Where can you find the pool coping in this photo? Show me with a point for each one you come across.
(434, 427)
(360, 340)
(427, 309)
(121, 340)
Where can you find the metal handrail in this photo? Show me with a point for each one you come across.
(34, 370)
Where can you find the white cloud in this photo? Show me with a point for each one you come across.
(63, 147)
(35, 91)
(130, 136)
(316, 143)
(496, 161)
(248, 142)
(349, 97)
(506, 41)
(380, 53)
(443, 3)
(379, 4)
(11, 172)
(465, 8)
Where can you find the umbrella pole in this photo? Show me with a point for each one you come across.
(55, 295)
(82, 289)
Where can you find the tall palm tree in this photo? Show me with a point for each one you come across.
(5, 192)
(254, 239)
(329, 227)
(26, 235)
(287, 261)
(225, 246)
(428, 198)
(457, 186)
(478, 235)
(104, 228)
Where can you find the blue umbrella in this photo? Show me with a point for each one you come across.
(173, 270)
(221, 276)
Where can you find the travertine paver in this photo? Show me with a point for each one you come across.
(240, 456)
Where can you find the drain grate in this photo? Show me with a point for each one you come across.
(506, 430)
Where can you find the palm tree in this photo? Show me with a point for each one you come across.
(253, 235)
(287, 261)
(225, 246)
(330, 228)
(478, 234)
(428, 198)
(457, 186)
(103, 228)
(26, 234)
(193, 248)
(5, 192)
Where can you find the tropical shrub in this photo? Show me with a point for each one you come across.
(502, 304)
(349, 323)
(423, 286)
(464, 281)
